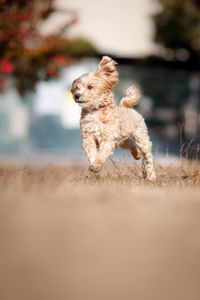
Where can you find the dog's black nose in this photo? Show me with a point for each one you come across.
(77, 96)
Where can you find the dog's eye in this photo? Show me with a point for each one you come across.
(90, 87)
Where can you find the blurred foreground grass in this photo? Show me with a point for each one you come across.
(67, 234)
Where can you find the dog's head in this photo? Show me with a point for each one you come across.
(88, 89)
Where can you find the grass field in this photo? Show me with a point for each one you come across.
(67, 234)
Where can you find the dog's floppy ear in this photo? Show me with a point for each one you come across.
(108, 71)
(74, 84)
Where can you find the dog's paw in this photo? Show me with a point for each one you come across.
(96, 166)
(151, 177)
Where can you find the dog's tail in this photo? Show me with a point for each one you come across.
(131, 97)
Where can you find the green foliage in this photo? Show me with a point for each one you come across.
(80, 47)
(177, 27)
(28, 55)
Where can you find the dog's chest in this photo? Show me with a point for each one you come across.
(96, 124)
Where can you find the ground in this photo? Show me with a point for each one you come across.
(67, 234)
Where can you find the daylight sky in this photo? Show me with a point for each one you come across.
(121, 27)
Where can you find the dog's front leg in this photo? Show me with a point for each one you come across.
(89, 148)
(106, 148)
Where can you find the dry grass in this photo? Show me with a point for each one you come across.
(178, 174)
(66, 234)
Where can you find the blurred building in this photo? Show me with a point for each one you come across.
(123, 28)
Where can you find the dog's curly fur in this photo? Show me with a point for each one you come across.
(106, 126)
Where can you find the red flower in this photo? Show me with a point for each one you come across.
(25, 36)
(23, 17)
(60, 61)
(50, 72)
(7, 67)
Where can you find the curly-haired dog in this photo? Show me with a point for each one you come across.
(106, 126)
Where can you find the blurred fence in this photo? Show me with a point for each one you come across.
(47, 120)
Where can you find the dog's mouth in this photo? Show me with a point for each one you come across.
(79, 101)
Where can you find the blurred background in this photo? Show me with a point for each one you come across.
(46, 44)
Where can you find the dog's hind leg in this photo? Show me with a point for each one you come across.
(134, 149)
(143, 142)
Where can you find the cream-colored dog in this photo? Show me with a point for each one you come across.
(106, 126)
